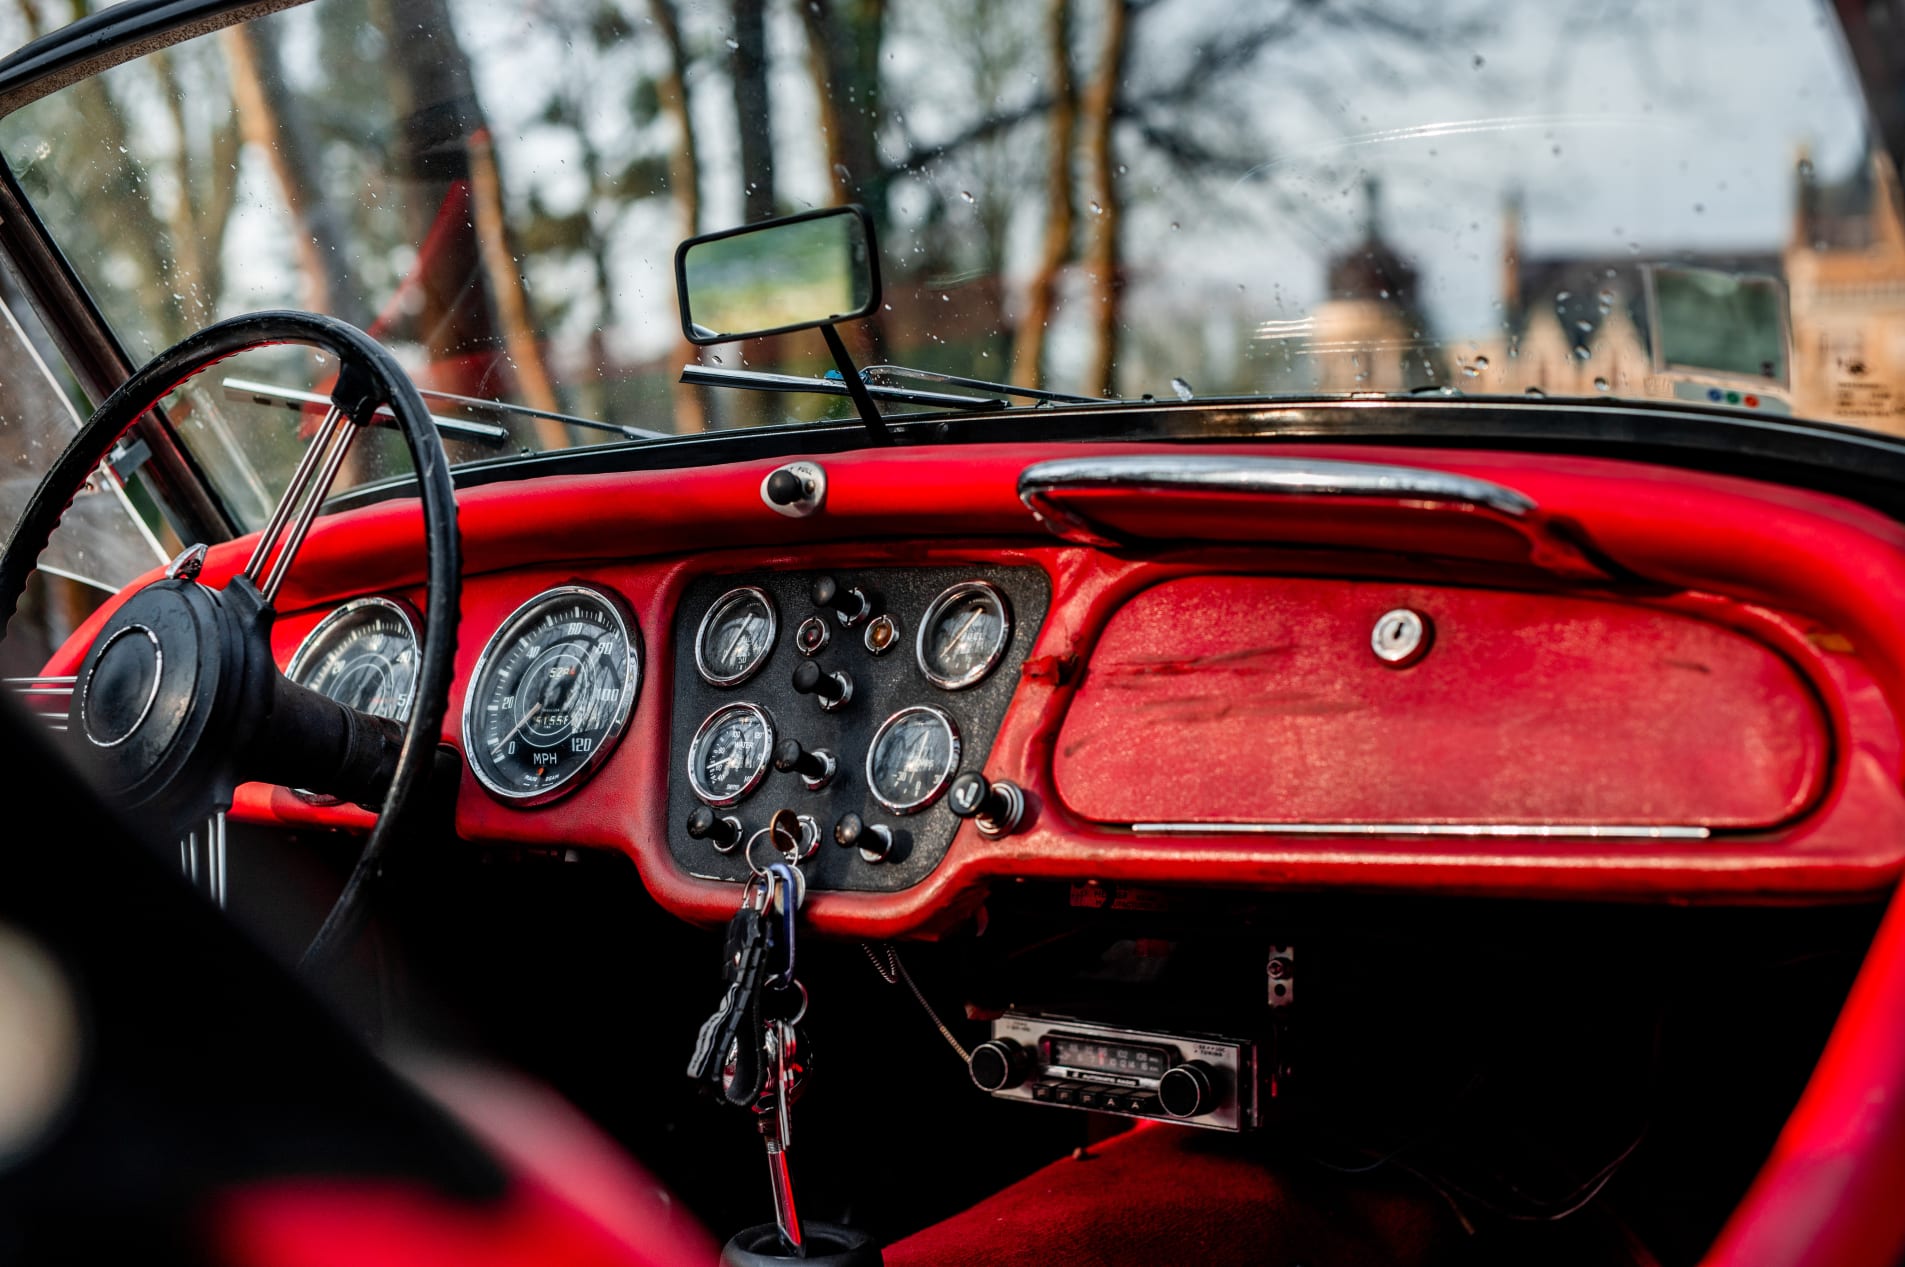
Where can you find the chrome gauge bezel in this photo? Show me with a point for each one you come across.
(754, 777)
(945, 777)
(505, 635)
(338, 616)
(312, 640)
(928, 622)
(702, 665)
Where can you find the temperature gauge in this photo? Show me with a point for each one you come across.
(730, 753)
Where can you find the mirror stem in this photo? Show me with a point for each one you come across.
(856, 388)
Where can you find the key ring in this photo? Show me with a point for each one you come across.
(800, 1012)
(748, 853)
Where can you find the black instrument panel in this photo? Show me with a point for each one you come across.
(756, 659)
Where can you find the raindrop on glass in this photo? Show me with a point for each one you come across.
(1479, 61)
(1600, 384)
(965, 194)
(1182, 388)
(1533, 391)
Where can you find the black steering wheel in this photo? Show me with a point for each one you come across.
(179, 699)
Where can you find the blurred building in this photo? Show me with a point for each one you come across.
(1579, 325)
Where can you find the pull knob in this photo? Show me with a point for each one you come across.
(832, 689)
(1186, 1090)
(872, 840)
(848, 602)
(784, 488)
(815, 768)
(997, 1065)
(995, 808)
(723, 831)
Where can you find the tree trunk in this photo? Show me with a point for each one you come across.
(1102, 263)
(843, 60)
(684, 181)
(1028, 339)
(274, 124)
(753, 109)
(512, 301)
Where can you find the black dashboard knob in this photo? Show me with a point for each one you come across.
(815, 768)
(833, 689)
(872, 840)
(997, 1065)
(1186, 1090)
(995, 807)
(784, 488)
(848, 601)
(722, 831)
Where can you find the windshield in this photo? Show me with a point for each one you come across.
(1173, 198)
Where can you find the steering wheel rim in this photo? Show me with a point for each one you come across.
(388, 385)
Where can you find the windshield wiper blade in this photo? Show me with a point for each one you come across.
(290, 398)
(757, 380)
(506, 407)
(977, 384)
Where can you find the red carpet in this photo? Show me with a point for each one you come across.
(1165, 1194)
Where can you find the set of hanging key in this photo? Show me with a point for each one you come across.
(749, 1050)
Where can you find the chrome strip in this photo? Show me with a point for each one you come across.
(1296, 478)
(1471, 831)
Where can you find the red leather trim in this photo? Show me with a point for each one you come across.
(1829, 1195)
(1748, 550)
(1258, 700)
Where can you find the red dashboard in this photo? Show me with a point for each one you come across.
(1706, 710)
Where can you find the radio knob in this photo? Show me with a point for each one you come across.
(997, 1065)
(1185, 1090)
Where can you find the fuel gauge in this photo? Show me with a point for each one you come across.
(963, 635)
(735, 636)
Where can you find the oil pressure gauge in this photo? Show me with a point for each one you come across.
(551, 694)
(963, 635)
(914, 755)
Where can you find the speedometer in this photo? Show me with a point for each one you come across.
(551, 694)
(363, 655)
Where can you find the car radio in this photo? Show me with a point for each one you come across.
(1199, 1080)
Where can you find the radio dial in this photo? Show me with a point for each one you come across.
(1185, 1090)
(997, 1065)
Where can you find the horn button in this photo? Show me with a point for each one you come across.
(154, 686)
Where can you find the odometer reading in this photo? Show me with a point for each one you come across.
(729, 755)
(551, 694)
(914, 755)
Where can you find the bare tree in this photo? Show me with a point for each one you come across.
(1028, 342)
(684, 182)
(753, 108)
(1102, 263)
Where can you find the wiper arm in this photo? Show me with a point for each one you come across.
(478, 404)
(756, 380)
(244, 389)
(977, 384)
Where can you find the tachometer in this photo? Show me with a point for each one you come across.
(729, 755)
(551, 694)
(363, 655)
(963, 635)
(914, 755)
(735, 636)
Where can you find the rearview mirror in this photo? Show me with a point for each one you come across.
(794, 273)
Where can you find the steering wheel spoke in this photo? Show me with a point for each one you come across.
(291, 519)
